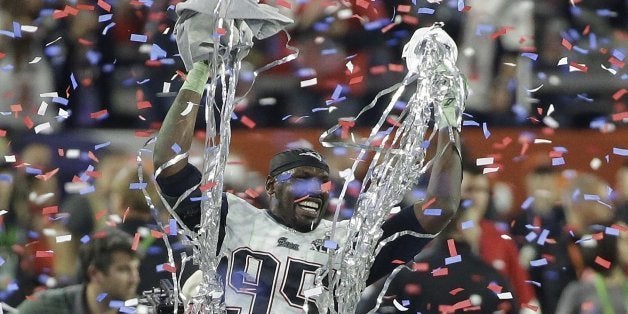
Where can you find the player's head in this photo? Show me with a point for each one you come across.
(297, 184)
(109, 264)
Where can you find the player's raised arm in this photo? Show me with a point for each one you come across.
(178, 126)
(443, 190)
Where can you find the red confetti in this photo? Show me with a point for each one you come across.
(44, 254)
(28, 122)
(567, 44)
(379, 69)
(462, 305)
(586, 30)
(452, 247)
(455, 291)
(93, 174)
(207, 186)
(136, 241)
(85, 7)
(100, 214)
(144, 104)
(495, 287)
(500, 32)
(50, 210)
(420, 266)
(70, 10)
(58, 14)
(3, 133)
(248, 122)
(126, 212)
(428, 203)
(143, 133)
(169, 268)
(403, 8)
(412, 289)
(530, 306)
(614, 61)
(47, 175)
(251, 193)
(98, 114)
(388, 27)
(440, 272)
(356, 80)
(618, 94)
(2, 55)
(284, 4)
(221, 31)
(580, 67)
(398, 262)
(104, 5)
(409, 19)
(395, 67)
(602, 262)
(156, 234)
(92, 156)
(362, 3)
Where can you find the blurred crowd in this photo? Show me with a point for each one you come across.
(69, 65)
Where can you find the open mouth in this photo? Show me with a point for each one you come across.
(309, 207)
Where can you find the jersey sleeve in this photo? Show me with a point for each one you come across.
(401, 250)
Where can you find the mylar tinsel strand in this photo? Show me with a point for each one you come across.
(398, 162)
(225, 58)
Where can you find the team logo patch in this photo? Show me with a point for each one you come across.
(283, 242)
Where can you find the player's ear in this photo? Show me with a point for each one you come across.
(270, 185)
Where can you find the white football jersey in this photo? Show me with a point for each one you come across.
(270, 265)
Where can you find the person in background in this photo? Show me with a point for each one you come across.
(448, 276)
(602, 288)
(109, 265)
(493, 245)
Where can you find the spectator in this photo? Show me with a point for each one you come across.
(603, 287)
(433, 284)
(109, 267)
(487, 241)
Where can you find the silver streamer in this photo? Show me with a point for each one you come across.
(398, 162)
(240, 21)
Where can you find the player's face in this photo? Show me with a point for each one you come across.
(121, 278)
(300, 197)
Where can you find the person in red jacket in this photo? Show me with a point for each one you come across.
(494, 246)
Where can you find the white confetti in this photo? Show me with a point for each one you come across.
(42, 108)
(541, 141)
(563, 61)
(42, 127)
(309, 82)
(484, 161)
(35, 60)
(64, 238)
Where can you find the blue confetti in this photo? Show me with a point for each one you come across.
(1, 261)
(377, 24)
(73, 80)
(7, 33)
(467, 224)
(532, 56)
(484, 29)
(453, 259)
(538, 262)
(17, 29)
(618, 55)
(101, 297)
(93, 57)
(591, 197)
(531, 236)
(460, 5)
(606, 12)
(116, 304)
(542, 237)
(35, 171)
(526, 204)
(580, 50)
(127, 309)
(470, 123)
(6, 177)
(487, 133)
(331, 51)
(85, 239)
(138, 185)
(432, 212)
(330, 244)
(536, 283)
(60, 100)
(176, 148)
(620, 151)
(99, 146)
(139, 38)
(104, 17)
(173, 226)
(612, 231)
(558, 161)
(87, 190)
(157, 52)
(337, 92)
(593, 41)
(108, 27)
(425, 11)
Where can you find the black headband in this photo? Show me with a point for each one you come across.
(298, 157)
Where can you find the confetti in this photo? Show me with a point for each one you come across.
(136, 241)
(64, 238)
(620, 151)
(602, 262)
(247, 122)
(538, 262)
(139, 38)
